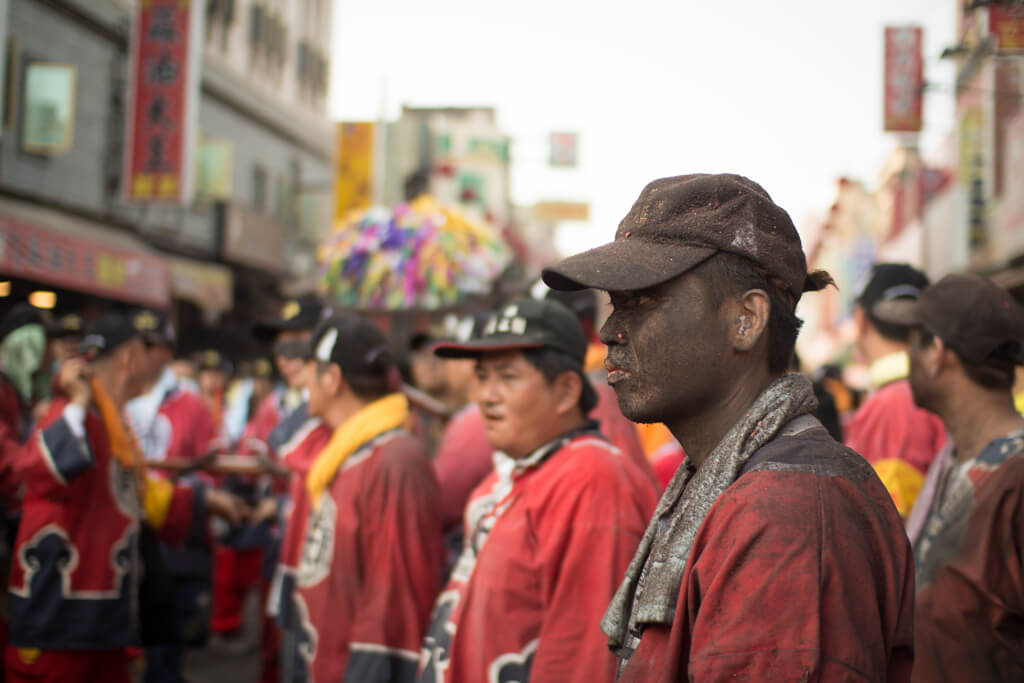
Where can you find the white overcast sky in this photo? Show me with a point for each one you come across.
(787, 92)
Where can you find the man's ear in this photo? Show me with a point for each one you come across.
(567, 387)
(750, 319)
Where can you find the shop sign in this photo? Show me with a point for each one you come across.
(163, 93)
(561, 211)
(1006, 26)
(36, 253)
(353, 188)
(564, 150)
(904, 78)
(206, 285)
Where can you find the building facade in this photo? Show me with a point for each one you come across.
(261, 160)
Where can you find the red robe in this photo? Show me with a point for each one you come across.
(800, 571)
(368, 566)
(537, 571)
(74, 561)
(888, 426)
(10, 444)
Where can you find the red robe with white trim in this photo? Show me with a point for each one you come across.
(74, 560)
(538, 570)
(368, 566)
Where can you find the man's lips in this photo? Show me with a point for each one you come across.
(615, 373)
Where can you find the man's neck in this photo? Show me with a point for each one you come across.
(115, 388)
(154, 380)
(701, 434)
(560, 428)
(876, 346)
(341, 410)
(978, 418)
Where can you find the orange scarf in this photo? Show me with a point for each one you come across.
(123, 444)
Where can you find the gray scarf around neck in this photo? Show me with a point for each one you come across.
(649, 593)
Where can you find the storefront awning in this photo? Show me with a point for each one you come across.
(74, 253)
(207, 285)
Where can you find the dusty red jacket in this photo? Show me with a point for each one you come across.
(969, 622)
(800, 571)
(544, 551)
(369, 565)
(75, 552)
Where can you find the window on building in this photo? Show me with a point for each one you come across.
(258, 197)
(49, 108)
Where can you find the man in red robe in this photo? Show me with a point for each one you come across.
(366, 527)
(75, 578)
(775, 553)
(550, 531)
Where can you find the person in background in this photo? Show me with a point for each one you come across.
(775, 553)
(88, 492)
(463, 456)
(22, 352)
(65, 335)
(899, 439)
(967, 336)
(22, 345)
(213, 371)
(186, 370)
(367, 526)
(170, 423)
(550, 531)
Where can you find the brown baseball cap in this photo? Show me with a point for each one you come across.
(973, 315)
(677, 223)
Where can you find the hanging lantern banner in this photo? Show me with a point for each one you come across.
(163, 96)
(904, 78)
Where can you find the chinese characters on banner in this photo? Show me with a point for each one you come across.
(904, 78)
(163, 92)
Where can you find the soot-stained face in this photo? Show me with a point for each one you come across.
(667, 350)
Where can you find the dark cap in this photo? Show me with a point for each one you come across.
(21, 314)
(890, 281)
(677, 223)
(68, 325)
(302, 313)
(971, 314)
(106, 333)
(523, 324)
(212, 359)
(154, 326)
(354, 344)
(261, 368)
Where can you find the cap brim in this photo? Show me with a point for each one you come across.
(625, 265)
(473, 349)
(905, 312)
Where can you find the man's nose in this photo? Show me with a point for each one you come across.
(612, 332)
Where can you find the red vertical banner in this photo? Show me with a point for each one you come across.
(163, 101)
(904, 78)
(1006, 25)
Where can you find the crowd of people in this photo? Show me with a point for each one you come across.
(528, 494)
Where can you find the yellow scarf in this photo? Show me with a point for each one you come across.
(890, 368)
(155, 494)
(378, 417)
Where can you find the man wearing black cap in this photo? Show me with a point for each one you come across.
(550, 531)
(289, 332)
(899, 439)
(73, 590)
(171, 423)
(775, 553)
(967, 337)
(366, 527)
(65, 335)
